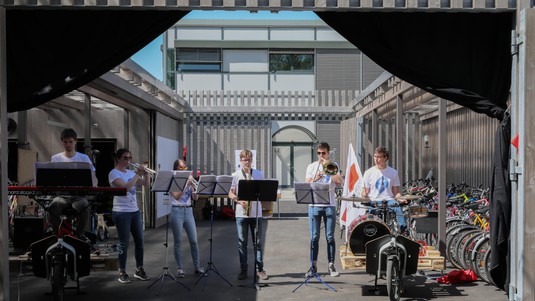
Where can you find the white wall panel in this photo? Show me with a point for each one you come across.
(292, 34)
(324, 34)
(292, 82)
(198, 81)
(245, 61)
(243, 34)
(171, 38)
(199, 34)
(249, 82)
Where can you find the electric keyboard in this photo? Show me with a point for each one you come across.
(64, 190)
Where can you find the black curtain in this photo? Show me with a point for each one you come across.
(461, 57)
(500, 222)
(52, 52)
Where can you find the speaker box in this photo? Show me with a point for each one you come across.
(26, 231)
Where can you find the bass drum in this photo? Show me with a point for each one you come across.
(364, 229)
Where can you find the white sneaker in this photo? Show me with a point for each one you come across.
(180, 273)
(332, 270)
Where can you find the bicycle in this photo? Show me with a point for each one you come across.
(62, 256)
(391, 255)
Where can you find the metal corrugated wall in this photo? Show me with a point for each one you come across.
(336, 69)
(348, 135)
(212, 141)
(470, 147)
(329, 131)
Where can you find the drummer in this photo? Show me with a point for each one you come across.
(381, 182)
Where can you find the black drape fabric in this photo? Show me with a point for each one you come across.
(462, 57)
(52, 52)
(500, 206)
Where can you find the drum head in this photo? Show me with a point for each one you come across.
(362, 231)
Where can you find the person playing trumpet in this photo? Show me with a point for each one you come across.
(182, 218)
(246, 213)
(125, 212)
(317, 172)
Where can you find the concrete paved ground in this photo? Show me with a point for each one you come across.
(286, 260)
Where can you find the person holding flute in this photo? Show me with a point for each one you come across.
(182, 218)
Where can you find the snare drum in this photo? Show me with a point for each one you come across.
(364, 229)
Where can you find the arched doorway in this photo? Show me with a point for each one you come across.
(293, 150)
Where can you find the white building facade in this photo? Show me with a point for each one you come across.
(274, 86)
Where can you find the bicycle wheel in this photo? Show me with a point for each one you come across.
(478, 257)
(486, 262)
(458, 247)
(451, 243)
(467, 248)
(57, 279)
(393, 279)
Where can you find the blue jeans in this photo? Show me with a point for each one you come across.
(315, 215)
(243, 224)
(126, 223)
(397, 210)
(182, 218)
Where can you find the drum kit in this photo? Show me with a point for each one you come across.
(388, 254)
(369, 227)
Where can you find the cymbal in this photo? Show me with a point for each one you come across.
(353, 199)
(408, 197)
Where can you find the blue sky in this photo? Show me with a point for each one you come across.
(150, 57)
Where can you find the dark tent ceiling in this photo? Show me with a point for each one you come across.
(52, 52)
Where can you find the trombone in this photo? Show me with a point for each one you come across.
(150, 171)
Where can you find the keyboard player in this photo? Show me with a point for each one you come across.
(80, 203)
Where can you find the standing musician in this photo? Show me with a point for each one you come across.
(182, 218)
(381, 182)
(126, 214)
(60, 203)
(246, 213)
(316, 173)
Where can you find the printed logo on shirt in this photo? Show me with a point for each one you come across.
(381, 184)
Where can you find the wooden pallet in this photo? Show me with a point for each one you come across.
(432, 260)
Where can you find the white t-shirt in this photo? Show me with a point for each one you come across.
(78, 157)
(126, 203)
(254, 205)
(380, 182)
(312, 169)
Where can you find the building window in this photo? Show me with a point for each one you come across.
(291, 61)
(198, 60)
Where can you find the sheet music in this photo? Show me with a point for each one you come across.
(171, 180)
(207, 185)
(312, 193)
(223, 185)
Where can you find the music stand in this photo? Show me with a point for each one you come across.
(312, 193)
(169, 181)
(256, 190)
(211, 186)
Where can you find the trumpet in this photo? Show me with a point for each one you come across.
(136, 166)
(194, 183)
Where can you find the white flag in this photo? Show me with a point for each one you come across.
(352, 187)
